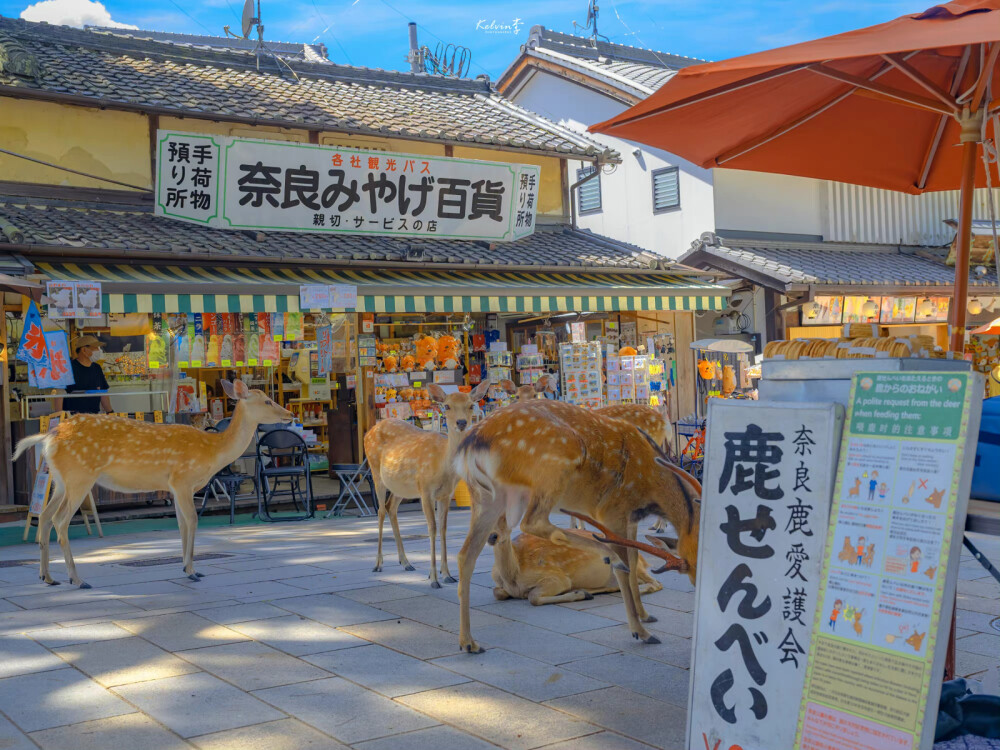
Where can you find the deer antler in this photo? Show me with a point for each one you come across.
(672, 561)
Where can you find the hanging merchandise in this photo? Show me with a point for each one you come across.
(213, 338)
(240, 341)
(196, 330)
(278, 326)
(253, 340)
(157, 344)
(182, 341)
(580, 366)
(292, 326)
(479, 342)
(706, 369)
(728, 380)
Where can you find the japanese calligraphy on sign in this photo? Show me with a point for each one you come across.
(887, 585)
(252, 184)
(767, 489)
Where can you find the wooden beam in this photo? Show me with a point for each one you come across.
(154, 125)
(903, 97)
(921, 80)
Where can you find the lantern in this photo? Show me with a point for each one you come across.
(869, 309)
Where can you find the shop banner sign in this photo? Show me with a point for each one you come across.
(58, 373)
(242, 183)
(328, 297)
(324, 341)
(887, 588)
(767, 486)
(31, 348)
(74, 299)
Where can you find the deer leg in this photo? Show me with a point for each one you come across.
(380, 494)
(633, 582)
(639, 632)
(69, 507)
(500, 594)
(187, 521)
(556, 590)
(43, 533)
(484, 518)
(427, 506)
(393, 509)
(536, 521)
(444, 504)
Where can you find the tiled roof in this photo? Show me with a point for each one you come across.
(138, 74)
(791, 264)
(616, 64)
(291, 50)
(135, 232)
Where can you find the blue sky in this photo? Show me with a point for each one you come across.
(373, 32)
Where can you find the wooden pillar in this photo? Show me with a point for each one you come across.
(774, 324)
(7, 466)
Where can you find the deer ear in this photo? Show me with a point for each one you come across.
(437, 393)
(479, 392)
(542, 384)
(229, 390)
(508, 386)
(241, 389)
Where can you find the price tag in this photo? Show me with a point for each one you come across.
(417, 384)
(158, 417)
(183, 365)
(122, 414)
(154, 365)
(43, 423)
(268, 363)
(240, 364)
(141, 417)
(253, 362)
(227, 363)
(278, 337)
(196, 363)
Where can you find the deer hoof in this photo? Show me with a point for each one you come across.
(200, 575)
(649, 618)
(85, 585)
(450, 579)
(472, 648)
(652, 640)
(50, 582)
(377, 568)
(587, 596)
(194, 577)
(435, 585)
(409, 567)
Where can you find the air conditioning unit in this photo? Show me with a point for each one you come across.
(725, 325)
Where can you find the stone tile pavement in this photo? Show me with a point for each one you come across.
(292, 642)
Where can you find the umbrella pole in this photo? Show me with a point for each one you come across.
(969, 149)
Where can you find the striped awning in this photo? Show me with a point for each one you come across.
(192, 289)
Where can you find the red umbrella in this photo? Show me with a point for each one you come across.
(882, 106)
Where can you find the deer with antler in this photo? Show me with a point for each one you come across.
(130, 456)
(538, 456)
(409, 462)
(527, 392)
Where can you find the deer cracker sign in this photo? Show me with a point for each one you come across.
(768, 481)
(241, 183)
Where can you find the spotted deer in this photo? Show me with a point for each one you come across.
(533, 568)
(527, 392)
(538, 456)
(130, 456)
(408, 462)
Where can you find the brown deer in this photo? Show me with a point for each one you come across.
(858, 627)
(847, 553)
(855, 491)
(131, 456)
(527, 392)
(935, 498)
(536, 456)
(916, 640)
(409, 462)
(869, 557)
(533, 568)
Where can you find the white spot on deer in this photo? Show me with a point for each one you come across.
(531, 451)
(521, 444)
(510, 428)
(564, 441)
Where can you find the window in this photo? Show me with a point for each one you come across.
(589, 193)
(666, 189)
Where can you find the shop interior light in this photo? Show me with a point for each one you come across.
(975, 306)
(925, 308)
(869, 309)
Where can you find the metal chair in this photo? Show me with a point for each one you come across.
(225, 480)
(282, 455)
(351, 477)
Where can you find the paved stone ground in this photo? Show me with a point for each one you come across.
(292, 642)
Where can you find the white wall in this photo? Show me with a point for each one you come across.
(763, 202)
(626, 189)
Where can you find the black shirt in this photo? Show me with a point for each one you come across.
(87, 379)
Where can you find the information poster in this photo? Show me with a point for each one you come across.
(769, 473)
(324, 341)
(887, 587)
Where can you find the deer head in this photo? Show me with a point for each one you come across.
(256, 406)
(526, 392)
(457, 407)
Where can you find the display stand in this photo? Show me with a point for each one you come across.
(581, 369)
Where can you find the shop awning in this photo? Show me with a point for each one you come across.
(157, 288)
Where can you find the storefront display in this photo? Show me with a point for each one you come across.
(582, 374)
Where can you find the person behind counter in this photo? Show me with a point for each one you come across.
(87, 376)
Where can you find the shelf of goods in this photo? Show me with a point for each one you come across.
(580, 366)
(530, 367)
(638, 379)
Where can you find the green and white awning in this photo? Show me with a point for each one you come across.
(191, 289)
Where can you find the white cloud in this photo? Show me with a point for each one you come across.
(78, 13)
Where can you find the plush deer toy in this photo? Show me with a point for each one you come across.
(131, 456)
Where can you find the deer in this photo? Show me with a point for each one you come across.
(526, 392)
(855, 491)
(408, 462)
(534, 568)
(533, 456)
(130, 456)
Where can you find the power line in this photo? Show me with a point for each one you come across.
(614, 6)
(176, 5)
(328, 27)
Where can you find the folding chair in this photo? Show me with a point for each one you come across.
(351, 478)
(282, 455)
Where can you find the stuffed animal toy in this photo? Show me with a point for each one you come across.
(427, 347)
(706, 369)
(447, 356)
(390, 364)
(407, 363)
(390, 394)
(627, 351)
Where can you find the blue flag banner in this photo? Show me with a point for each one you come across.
(32, 348)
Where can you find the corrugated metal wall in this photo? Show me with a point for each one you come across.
(864, 214)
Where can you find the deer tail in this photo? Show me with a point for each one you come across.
(30, 442)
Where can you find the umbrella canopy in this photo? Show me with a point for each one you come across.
(883, 106)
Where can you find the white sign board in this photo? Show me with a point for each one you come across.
(328, 297)
(74, 299)
(767, 487)
(241, 183)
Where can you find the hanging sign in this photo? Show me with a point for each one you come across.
(324, 340)
(31, 348)
(242, 183)
(766, 498)
(74, 299)
(887, 587)
(58, 373)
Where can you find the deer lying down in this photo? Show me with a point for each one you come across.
(538, 456)
(533, 568)
(130, 456)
